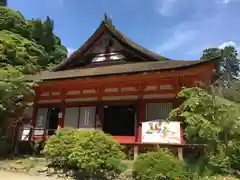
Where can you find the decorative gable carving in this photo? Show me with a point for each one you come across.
(107, 57)
(101, 44)
(107, 43)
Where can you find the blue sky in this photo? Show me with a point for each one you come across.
(177, 29)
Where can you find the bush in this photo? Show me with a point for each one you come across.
(153, 165)
(93, 153)
(198, 168)
(5, 146)
(14, 21)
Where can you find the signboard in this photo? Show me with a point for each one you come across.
(159, 131)
(38, 132)
(25, 134)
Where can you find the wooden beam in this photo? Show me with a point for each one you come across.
(121, 78)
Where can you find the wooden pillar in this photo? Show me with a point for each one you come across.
(34, 115)
(141, 118)
(61, 115)
(180, 153)
(135, 152)
(35, 109)
(62, 109)
(100, 117)
(180, 149)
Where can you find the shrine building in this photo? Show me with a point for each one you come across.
(113, 84)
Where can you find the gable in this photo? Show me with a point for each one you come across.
(101, 44)
(105, 47)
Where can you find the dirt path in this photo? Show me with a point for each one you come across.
(19, 176)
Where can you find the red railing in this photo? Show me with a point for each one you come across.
(32, 134)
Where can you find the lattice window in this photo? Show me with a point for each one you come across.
(107, 56)
(158, 111)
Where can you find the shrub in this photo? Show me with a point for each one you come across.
(198, 168)
(153, 165)
(5, 146)
(93, 153)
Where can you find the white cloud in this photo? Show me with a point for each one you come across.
(178, 38)
(70, 51)
(228, 43)
(165, 7)
(189, 38)
(226, 1)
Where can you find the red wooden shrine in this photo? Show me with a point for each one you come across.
(113, 84)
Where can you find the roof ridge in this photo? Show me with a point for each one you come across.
(124, 40)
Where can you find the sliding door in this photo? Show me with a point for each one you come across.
(41, 121)
(71, 117)
(42, 115)
(158, 111)
(80, 117)
(87, 117)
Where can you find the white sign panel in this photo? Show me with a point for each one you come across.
(25, 134)
(161, 132)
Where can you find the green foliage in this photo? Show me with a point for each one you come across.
(197, 168)
(3, 2)
(92, 152)
(214, 121)
(232, 93)
(26, 47)
(5, 146)
(229, 62)
(154, 165)
(30, 44)
(13, 21)
(37, 146)
(16, 50)
(12, 90)
(42, 33)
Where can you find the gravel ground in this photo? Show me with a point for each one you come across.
(19, 176)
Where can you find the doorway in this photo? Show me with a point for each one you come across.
(53, 120)
(119, 120)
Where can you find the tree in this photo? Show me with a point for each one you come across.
(42, 33)
(232, 93)
(48, 39)
(13, 89)
(3, 2)
(214, 121)
(26, 47)
(229, 63)
(30, 44)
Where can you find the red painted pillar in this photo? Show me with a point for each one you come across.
(62, 110)
(141, 118)
(34, 114)
(182, 133)
(100, 117)
(61, 113)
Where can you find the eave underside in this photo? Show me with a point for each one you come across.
(129, 68)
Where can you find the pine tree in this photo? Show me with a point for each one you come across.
(229, 64)
(3, 2)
